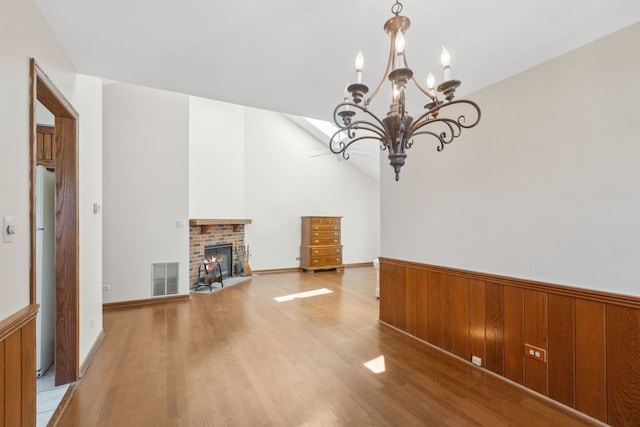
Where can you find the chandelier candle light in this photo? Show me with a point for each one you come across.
(396, 131)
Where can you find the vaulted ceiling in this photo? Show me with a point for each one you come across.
(296, 56)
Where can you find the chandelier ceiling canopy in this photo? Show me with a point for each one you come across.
(396, 131)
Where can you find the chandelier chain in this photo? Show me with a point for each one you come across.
(396, 8)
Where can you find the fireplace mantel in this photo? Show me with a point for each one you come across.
(205, 224)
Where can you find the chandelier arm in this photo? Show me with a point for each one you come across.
(340, 123)
(384, 75)
(368, 126)
(343, 147)
(436, 136)
(424, 119)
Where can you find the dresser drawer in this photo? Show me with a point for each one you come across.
(324, 251)
(322, 261)
(325, 227)
(324, 220)
(325, 241)
(325, 234)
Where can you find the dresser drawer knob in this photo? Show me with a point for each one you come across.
(335, 241)
(315, 260)
(317, 241)
(316, 252)
(338, 250)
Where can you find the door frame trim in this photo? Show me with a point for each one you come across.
(67, 263)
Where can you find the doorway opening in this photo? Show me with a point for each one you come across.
(65, 221)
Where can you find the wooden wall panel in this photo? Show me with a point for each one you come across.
(400, 295)
(623, 368)
(2, 382)
(476, 319)
(461, 317)
(18, 368)
(422, 318)
(386, 292)
(433, 302)
(535, 333)
(28, 359)
(494, 329)
(410, 300)
(446, 312)
(561, 350)
(513, 299)
(592, 338)
(591, 397)
(13, 379)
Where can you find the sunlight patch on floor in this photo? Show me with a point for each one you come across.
(376, 365)
(307, 294)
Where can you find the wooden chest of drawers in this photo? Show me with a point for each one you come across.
(321, 247)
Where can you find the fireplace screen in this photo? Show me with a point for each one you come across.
(222, 255)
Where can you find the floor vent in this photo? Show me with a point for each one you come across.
(164, 278)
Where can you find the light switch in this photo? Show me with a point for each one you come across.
(8, 229)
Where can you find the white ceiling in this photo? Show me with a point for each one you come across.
(296, 56)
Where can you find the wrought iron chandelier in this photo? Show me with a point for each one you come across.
(396, 131)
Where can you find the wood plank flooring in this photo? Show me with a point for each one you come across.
(239, 358)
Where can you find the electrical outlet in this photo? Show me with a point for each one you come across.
(536, 353)
(106, 288)
(476, 360)
(180, 223)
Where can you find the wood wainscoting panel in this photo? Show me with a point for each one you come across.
(433, 308)
(13, 379)
(535, 333)
(2, 382)
(411, 300)
(422, 318)
(18, 368)
(28, 343)
(461, 317)
(476, 319)
(561, 351)
(623, 367)
(591, 386)
(494, 328)
(513, 299)
(591, 338)
(446, 312)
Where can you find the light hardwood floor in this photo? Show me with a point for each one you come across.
(240, 358)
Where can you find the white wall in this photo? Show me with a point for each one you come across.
(145, 187)
(547, 187)
(24, 34)
(284, 182)
(87, 99)
(216, 159)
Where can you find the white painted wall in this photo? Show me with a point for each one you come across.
(24, 34)
(87, 99)
(216, 159)
(284, 182)
(547, 187)
(145, 187)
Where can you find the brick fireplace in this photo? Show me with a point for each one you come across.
(209, 232)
